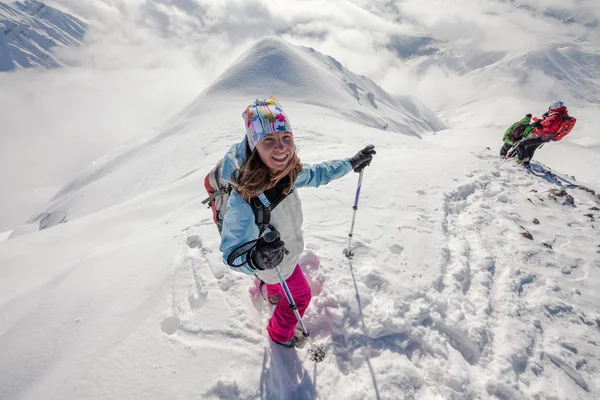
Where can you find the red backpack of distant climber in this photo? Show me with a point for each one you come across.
(565, 127)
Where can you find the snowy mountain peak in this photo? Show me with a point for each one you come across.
(316, 89)
(30, 29)
(273, 66)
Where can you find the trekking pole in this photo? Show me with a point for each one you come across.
(511, 152)
(317, 353)
(347, 252)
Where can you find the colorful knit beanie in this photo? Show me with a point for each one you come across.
(264, 117)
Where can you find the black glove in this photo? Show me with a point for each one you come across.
(268, 253)
(537, 125)
(362, 158)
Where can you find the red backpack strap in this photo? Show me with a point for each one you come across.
(211, 193)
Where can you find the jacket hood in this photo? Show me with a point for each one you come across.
(234, 157)
(526, 121)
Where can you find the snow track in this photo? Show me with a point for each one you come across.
(189, 285)
(488, 306)
(496, 292)
(488, 292)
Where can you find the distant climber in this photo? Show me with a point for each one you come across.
(517, 131)
(554, 127)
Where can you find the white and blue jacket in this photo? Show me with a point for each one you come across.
(239, 224)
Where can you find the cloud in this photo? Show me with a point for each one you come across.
(385, 40)
(121, 86)
(366, 36)
(56, 122)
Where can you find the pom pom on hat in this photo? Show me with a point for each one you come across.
(262, 118)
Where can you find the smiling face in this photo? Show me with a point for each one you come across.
(276, 150)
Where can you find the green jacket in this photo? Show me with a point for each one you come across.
(526, 133)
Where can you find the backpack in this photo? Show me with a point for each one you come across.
(565, 127)
(218, 194)
(517, 133)
(219, 191)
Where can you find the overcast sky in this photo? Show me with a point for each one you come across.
(360, 33)
(143, 60)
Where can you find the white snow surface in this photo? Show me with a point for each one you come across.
(30, 29)
(123, 293)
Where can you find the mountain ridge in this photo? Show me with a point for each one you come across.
(343, 95)
(274, 66)
(30, 29)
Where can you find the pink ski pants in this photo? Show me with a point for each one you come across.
(282, 324)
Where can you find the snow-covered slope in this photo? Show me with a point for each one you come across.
(473, 278)
(444, 300)
(575, 66)
(567, 70)
(297, 76)
(275, 66)
(29, 30)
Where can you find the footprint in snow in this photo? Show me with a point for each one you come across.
(225, 284)
(194, 241)
(170, 325)
(309, 262)
(577, 271)
(503, 198)
(424, 217)
(396, 249)
(469, 350)
(188, 288)
(374, 281)
(197, 300)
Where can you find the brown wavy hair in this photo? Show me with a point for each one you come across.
(253, 176)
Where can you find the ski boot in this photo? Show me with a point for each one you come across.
(298, 340)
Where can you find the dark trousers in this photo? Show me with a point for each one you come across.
(504, 150)
(528, 147)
